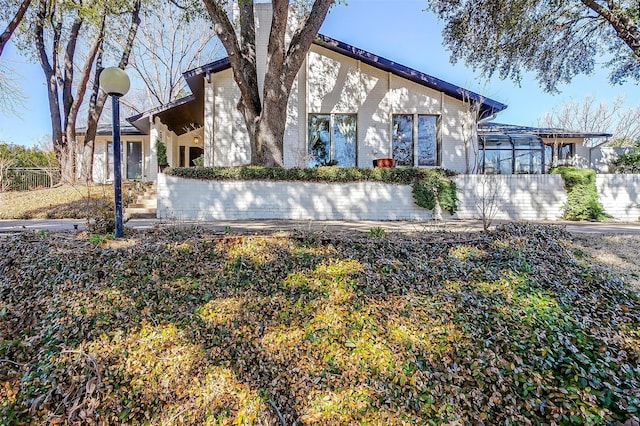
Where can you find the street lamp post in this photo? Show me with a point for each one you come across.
(115, 82)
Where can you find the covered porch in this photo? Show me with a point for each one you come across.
(179, 126)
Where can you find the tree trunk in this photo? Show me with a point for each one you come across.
(50, 72)
(265, 120)
(11, 27)
(96, 104)
(68, 101)
(74, 108)
(98, 97)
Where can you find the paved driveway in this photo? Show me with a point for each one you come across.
(51, 225)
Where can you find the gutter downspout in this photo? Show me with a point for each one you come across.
(487, 119)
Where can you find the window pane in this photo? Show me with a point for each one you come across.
(110, 161)
(402, 139)
(496, 142)
(528, 161)
(134, 160)
(526, 142)
(548, 157)
(497, 161)
(427, 142)
(565, 151)
(319, 140)
(344, 139)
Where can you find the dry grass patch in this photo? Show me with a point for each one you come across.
(620, 253)
(62, 202)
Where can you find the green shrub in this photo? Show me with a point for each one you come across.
(628, 162)
(427, 183)
(582, 194)
(161, 150)
(27, 157)
(434, 187)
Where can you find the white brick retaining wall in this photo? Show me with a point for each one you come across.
(620, 195)
(509, 197)
(525, 197)
(180, 198)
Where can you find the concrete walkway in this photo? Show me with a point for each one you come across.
(57, 225)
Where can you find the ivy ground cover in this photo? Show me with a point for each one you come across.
(188, 327)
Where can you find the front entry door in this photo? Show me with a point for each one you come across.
(134, 160)
(194, 152)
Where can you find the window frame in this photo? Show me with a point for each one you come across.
(415, 149)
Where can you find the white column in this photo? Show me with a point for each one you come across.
(171, 146)
(209, 111)
(152, 172)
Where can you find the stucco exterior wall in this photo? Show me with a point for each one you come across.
(230, 137)
(602, 157)
(332, 83)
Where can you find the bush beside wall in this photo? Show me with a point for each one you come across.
(629, 162)
(317, 174)
(582, 194)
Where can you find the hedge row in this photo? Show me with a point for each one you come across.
(405, 176)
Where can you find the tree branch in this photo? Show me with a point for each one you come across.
(13, 24)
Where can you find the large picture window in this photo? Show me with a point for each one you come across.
(415, 139)
(332, 140)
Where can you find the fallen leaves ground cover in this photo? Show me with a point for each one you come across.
(168, 327)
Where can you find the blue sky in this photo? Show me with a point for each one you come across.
(399, 30)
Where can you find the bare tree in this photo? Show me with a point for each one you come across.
(11, 96)
(165, 48)
(5, 165)
(265, 117)
(589, 115)
(472, 110)
(490, 198)
(69, 37)
(52, 23)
